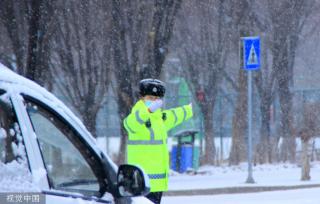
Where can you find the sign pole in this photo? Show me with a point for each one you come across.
(250, 177)
(251, 61)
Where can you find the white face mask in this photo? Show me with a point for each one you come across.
(148, 103)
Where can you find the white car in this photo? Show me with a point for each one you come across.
(62, 161)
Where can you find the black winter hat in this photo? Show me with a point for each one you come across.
(152, 87)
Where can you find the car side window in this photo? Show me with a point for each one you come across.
(69, 163)
(11, 142)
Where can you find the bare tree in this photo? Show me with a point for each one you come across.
(264, 80)
(81, 59)
(14, 18)
(245, 24)
(202, 42)
(287, 19)
(29, 25)
(141, 33)
(42, 25)
(159, 36)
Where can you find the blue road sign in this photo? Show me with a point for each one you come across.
(251, 53)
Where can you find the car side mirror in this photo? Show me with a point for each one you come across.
(132, 181)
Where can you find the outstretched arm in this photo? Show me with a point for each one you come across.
(176, 116)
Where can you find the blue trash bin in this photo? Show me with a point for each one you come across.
(181, 157)
(173, 158)
(186, 157)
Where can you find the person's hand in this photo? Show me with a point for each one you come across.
(190, 104)
(155, 105)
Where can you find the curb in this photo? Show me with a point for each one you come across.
(233, 190)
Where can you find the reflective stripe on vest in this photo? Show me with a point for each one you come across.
(145, 142)
(152, 141)
(184, 113)
(175, 117)
(138, 118)
(157, 176)
(151, 133)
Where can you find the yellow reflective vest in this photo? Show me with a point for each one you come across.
(147, 140)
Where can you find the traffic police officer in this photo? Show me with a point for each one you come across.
(147, 126)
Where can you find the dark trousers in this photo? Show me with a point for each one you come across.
(155, 197)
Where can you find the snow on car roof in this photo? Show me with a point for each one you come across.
(17, 83)
(12, 82)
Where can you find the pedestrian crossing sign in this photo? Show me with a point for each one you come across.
(251, 53)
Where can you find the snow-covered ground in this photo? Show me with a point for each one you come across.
(235, 176)
(264, 175)
(301, 196)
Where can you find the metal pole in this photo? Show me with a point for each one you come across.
(250, 178)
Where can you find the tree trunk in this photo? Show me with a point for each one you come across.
(239, 123)
(90, 120)
(159, 37)
(13, 16)
(305, 161)
(124, 110)
(288, 149)
(122, 156)
(124, 89)
(210, 150)
(33, 45)
(264, 149)
(246, 25)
